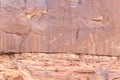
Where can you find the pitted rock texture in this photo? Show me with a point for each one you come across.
(61, 66)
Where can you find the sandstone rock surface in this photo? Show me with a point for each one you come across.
(85, 31)
(82, 26)
(61, 66)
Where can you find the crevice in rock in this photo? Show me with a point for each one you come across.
(77, 34)
(25, 37)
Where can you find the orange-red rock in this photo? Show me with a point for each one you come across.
(81, 26)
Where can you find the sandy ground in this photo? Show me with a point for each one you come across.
(59, 66)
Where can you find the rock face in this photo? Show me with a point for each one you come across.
(61, 66)
(80, 26)
(86, 30)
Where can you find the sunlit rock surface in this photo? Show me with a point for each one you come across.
(86, 31)
(61, 66)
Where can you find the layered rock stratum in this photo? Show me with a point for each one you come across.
(60, 66)
(80, 26)
(59, 40)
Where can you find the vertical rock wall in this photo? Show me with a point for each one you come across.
(81, 26)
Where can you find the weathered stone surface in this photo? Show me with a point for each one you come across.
(80, 26)
(61, 66)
